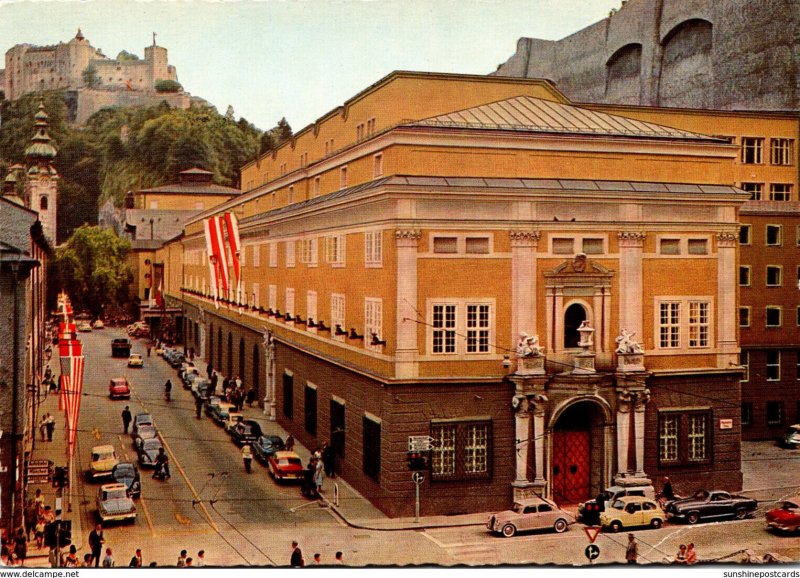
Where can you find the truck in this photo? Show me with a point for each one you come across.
(120, 347)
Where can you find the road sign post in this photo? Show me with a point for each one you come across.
(592, 552)
(417, 478)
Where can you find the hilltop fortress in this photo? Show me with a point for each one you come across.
(114, 82)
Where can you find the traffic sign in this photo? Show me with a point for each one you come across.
(420, 443)
(591, 532)
(417, 478)
(592, 552)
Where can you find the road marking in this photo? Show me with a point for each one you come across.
(141, 497)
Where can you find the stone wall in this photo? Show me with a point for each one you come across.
(90, 101)
(725, 54)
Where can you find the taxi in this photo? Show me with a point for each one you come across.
(104, 458)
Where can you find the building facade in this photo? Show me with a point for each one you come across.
(389, 267)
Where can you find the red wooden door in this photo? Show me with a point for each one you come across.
(570, 473)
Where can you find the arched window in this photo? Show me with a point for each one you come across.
(623, 71)
(573, 317)
(43, 203)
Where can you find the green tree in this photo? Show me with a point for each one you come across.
(93, 265)
(90, 77)
(168, 86)
(124, 55)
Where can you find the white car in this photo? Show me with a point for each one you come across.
(114, 503)
(135, 360)
(530, 514)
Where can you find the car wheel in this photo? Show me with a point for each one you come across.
(656, 523)
(560, 525)
(509, 530)
(740, 514)
(615, 526)
(692, 517)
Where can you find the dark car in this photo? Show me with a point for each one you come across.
(265, 446)
(127, 474)
(120, 347)
(245, 432)
(200, 388)
(706, 504)
(148, 450)
(139, 420)
(791, 439)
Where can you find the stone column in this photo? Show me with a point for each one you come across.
(630, 280)
(642, 397)
(727, 308)
(624, 399)
(522, 431)
(538, 405)
(523, 282)
(270, 404)
(407, 349)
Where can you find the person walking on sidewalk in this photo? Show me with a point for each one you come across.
(329, 460)
(126, 418)
(632, 550)
(43, 425)
(181, 563)
(247, 457)
(51, 427)
(96, 541)
(136, 560)
(20, 547)
(201, 559)
(296, 561)
(108, 561)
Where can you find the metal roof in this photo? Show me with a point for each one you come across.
(526, 113)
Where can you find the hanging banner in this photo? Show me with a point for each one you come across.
(232, 226)
(212, 268)
(72, 398)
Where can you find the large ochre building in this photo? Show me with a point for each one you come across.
(395, 250)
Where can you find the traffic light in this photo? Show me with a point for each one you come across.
(417, 461)
(60, 528)
(60, 479)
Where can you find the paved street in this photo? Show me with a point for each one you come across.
(239, 519)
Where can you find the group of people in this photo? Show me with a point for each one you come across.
(47, 425)
(322, 461)
(36, 516)
(297, 561)
(232, 391)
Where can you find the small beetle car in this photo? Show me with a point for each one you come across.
(245, 432)
(104, 458)
(135, 360)
(119, 388)
(84, 326)
(127, 474)
(285, 466)
(786, 517)
(148, 451)
(139, 420)
(530, 514)
(114, 503)
(98, 324)
(632, 511)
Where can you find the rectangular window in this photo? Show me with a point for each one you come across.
(775, 413)
(337, 426)
(445, 244)
(310, 409)
(774, 316)
(308, 252)
(698, 443)
(592, 246)
(669, 325)
(444, 329)
(337, 315)
(744, 276)
(290, 195)
(478, 328)
(316, 186)
(288, 395)
(668, 438)
(684, 437)
(563, 246)
(311, 305)
(256, 295)
(744, 235)
(461, 450)
(752, 150)
(290, 257)
(273, 254)
(256, 255)
(373, 248)
(273, 297)
(781, 151)
(373, 322)
(698, 323)
(289, 305)
(756, 190)
(477, 245)
(343, 178)
(774, 237)
(698, 246)
(377, 166)
(372, 447)
(780, 192)
(773, 365)
(744, 317)
(773, 276)
(747, 414)
(744, 361)
(670, 247)
(334, 250)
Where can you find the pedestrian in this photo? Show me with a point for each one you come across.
(181, 563)
(48, 373)
(247, 457)
(38, 501)
(53, 387)
(43, 425)
(296, 561)
(317, 559)
(51, 427)
(31, 516)
(214, 381)
(338, 560)
(87, 560)
(691, 554)
(39, 532)
(189, 562)
(149, 347)
(198, 406)
(680, 557)
(136, 560)
(201, 559)
(318, 474)
(71, 560)
(96, 541)
(289, 444)
(108, 561)
(329, 460)
(632, 550)
(126, 418)
(209, 369)
(251, 396)
(20, 547)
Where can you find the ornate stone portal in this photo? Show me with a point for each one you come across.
(530, 355)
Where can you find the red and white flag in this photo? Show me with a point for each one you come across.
(232, 225)
(218, 250)
(72, 398)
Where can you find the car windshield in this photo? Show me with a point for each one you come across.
(117, 494)
(142, 419)
(618, 505)
(106, 455)
(290, 461)
(151, 444)
(701, 495)
(790, 506)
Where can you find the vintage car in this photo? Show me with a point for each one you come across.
(265, 446)
(148, 451)
(589, 511)
(120, 347)
(104, 458)
(189, 377)
(530, 514)
(84, 326)
(114, 503)
(786, 517)
(126, 473)
(186, 367)
(144, 432)
(200, 388)
(135, 360)
(210, 404)
(139, 420)
(630, 512)
(119, 388)
(246, 431)
(219, 412)
(98, 324)
(791, 439)
(706, 504)
(231, 420)
(285, 465)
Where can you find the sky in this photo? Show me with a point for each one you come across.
(299, 59)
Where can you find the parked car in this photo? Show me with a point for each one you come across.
(265, 446)
(189, 377)
(210, 404)
(126, 473)
(791, 439)
(285, 465)
(103, 460)
(120, 347)
(231, 420)
(710, 504)
(144, 432)
(200, 388)
(589, 511)
(135, 360)
(530, 514)
(98, 324)
(220, 411)
(786, 517)
(138, 329)
(148, 450)
(114, 503)
(84, 326)
(186, 366)
(176, 360)
(119, 388)
(632, 511)
(139, 420)
(245, 432)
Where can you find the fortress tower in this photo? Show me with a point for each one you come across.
(41, 187)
